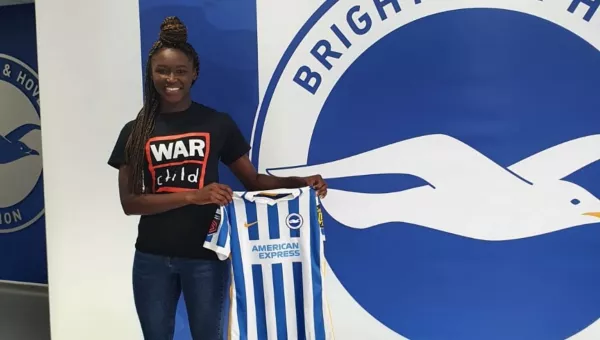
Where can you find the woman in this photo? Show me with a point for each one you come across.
(168, 173)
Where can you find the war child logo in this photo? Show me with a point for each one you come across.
(178, 163)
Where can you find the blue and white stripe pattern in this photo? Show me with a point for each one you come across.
(275, 242)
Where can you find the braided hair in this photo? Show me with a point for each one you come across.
(173, 34)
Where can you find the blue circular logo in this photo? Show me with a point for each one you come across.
(22, 201)
(461, 147)
(294, 221)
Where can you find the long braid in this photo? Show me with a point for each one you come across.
(173, 34)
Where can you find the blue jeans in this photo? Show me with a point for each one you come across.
(158, 282)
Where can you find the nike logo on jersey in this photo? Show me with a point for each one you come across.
(248, 225)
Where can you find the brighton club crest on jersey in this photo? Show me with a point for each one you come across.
(21, 201)
(460, 141)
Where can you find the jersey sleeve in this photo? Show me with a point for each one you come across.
(117, 157)
(218, 237)
(235, 144)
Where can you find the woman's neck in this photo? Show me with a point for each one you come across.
(175, 107)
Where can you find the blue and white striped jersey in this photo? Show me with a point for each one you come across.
(275, 242)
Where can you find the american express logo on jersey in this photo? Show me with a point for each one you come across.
(279, 250)
(275, 241)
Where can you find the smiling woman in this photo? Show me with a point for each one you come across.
(169, 63)
(168, 161)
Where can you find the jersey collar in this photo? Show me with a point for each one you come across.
(263, 196)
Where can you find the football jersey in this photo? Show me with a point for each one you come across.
(275, 241)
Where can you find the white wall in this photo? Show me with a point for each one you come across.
(90, 81)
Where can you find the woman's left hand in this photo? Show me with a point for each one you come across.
(318, 184)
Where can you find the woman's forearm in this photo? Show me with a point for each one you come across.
(150, 204)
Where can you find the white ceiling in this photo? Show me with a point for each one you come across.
(14, 2)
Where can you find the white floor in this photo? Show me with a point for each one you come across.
(24, 312)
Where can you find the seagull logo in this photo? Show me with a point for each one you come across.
(294, 221)
(21, 180)
(12, 149)
(527, 199)
(474, 101)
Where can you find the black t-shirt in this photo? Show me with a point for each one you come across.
(184, 149)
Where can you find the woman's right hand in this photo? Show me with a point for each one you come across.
(214, 193)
